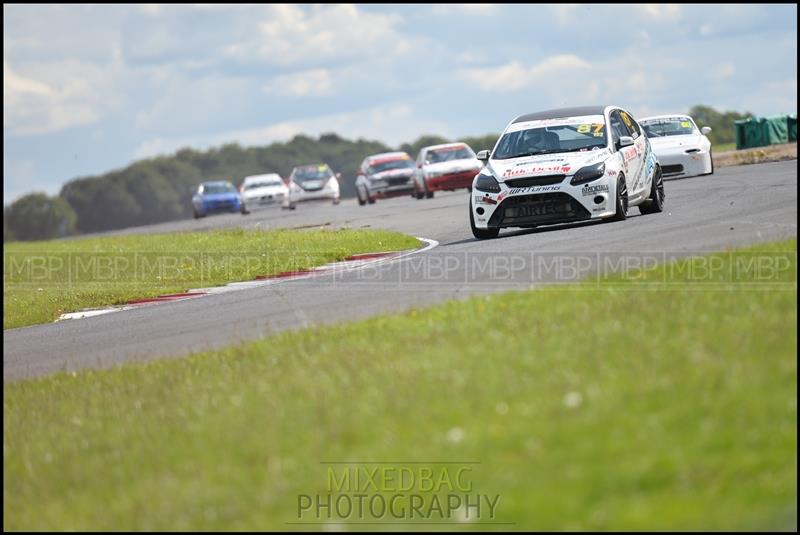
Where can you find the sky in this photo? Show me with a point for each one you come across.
(89, 89)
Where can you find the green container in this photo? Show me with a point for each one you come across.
(763, 131)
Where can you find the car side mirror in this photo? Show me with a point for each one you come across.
(483, 156)
(624, 141)
(705, 130)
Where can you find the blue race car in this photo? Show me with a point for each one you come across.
(220, 196)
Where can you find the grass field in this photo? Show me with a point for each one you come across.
(42, 280)
(654, 402)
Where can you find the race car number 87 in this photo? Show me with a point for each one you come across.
(586, 128)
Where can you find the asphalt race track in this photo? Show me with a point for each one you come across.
(735, 206)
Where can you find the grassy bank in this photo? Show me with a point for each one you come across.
(42, 280)
(668, 405)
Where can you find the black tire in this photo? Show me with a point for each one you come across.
(428, 193)
(197, 215)
(361, 202)
(480, 233)
(419, 195)
(621, 200)
(371, 200)
(336, 201)
(244, 210)
(655, 202)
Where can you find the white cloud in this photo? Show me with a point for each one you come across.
(311, 83)
(564, 13)
(706, 30)
(152, 9)
(660, 12)
(514, 76)
(392, 124)
(292, 34)
(468, 9)
(723, 70)
(770, 99)
(34, 106)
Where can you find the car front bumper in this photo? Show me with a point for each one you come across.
(450, 181)
(213, 207)
(305, 195)
(544, 205)
(391, 189)
(264, 199)
(679, 163)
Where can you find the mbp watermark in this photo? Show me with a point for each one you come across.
(398, 492)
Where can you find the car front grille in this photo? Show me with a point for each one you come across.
(398, 181)
(543, 208)
(307, 188)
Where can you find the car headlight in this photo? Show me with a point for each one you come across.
(589, 173)
(487, 183)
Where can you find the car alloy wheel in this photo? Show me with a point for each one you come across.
(622, 200)
(655, 203)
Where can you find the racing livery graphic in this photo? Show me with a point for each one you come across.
(565, 165)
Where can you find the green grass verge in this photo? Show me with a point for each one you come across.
(648, 402)
(42, 280)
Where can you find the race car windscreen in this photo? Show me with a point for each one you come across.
(448, 154)
(218, 188)
(673, 126)
(312, 173)
(391, 165)
(552, 136)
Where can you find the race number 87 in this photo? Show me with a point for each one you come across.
(586, 128)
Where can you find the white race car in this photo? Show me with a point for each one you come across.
(570, 164)
(260, 190)
(681, 148)
(312, 183)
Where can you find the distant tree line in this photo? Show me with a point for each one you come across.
(159, 189)
(721, 123)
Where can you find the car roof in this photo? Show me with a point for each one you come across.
(561, 112)
(445, 145)
(216, 182)
(254, 178)
(667, 116)
(306, 166)
(389, 156)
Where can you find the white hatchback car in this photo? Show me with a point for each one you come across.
(260, 190)
(565, 165)
(312, 183)
(681, 148)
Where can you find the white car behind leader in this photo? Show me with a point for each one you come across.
(682, 149)
(260, 190)
(565, 165)
(315, 182)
